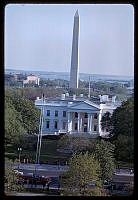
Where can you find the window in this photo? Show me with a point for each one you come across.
(95, 116)
(76, 114)
(95, 127)
(55, 124)
(56, 113)
(48, 112)
(47, 124)
(64, 125)
(64, 113)
(86, 115)
(76, 126)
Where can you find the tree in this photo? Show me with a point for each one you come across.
(13, 123)
(121, 127)
(10, 178)
(27, 112)
(106, 121)
(83, 171)
(122, 134)
(123, 119)
(124, 150)
(104, 152)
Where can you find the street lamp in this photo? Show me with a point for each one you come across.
(19, 150)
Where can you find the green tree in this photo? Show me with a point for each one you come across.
(27, 111)
(121, 127)
(83, 171)
(123, 119)
(122, 134)
(104, 152)
(10, 178)
(124, 150)
(13, 123)
(106, 121)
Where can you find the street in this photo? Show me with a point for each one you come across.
(53, 172)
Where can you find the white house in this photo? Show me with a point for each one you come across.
(76, 116)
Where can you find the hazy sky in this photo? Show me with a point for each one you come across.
(39, 37)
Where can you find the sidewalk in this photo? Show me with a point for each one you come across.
(42, 167)
(125, 172)
(28, 194)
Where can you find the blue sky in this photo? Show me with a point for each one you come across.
(39, 37)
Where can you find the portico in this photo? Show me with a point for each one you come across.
(83, 119)
(85, 123)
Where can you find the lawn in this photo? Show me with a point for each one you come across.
(48, 154)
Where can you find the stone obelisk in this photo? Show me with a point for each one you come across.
(74, 72)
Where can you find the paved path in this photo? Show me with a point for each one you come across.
(126, 172)
(42, 172)
(28, 194)
(46, 167)
(42, 167)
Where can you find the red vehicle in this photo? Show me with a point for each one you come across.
(33, 178)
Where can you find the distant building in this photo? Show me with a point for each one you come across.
(74, 116)
(31, 78)
(24, 78)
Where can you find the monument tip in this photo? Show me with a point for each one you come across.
(76, 14)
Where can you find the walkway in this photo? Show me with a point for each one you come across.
(42, 167)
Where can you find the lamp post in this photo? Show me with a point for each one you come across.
(19, 150)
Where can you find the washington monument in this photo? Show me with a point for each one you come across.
(74, 72)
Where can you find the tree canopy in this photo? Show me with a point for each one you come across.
(123, 119)
(83, 171)
(21, 117)
(121, 127)
(104, 152)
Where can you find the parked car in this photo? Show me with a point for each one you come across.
(111, 186)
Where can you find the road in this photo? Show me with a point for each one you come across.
(28, 194)
(42, 172)
(53, 171)
(41, 167)
(57, 169)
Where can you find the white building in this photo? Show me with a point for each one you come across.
(31, 78)
(76, 116)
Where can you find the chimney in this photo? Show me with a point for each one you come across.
(67, 94)
(74, 96)
(62, 96)
(113, 99)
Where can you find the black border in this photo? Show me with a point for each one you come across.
(3, 4)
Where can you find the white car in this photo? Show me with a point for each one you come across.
(17, 172)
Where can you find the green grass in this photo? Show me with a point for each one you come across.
(48, 154)
(48, 151)
(125, 164)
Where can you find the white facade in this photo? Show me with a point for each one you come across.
(31, 78)
(76, 117)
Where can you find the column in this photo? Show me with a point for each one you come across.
(71, 116)
(88, 123)
(81, 123)
(60, 125)
(68, 125)
(98, 124)
(78, 122)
